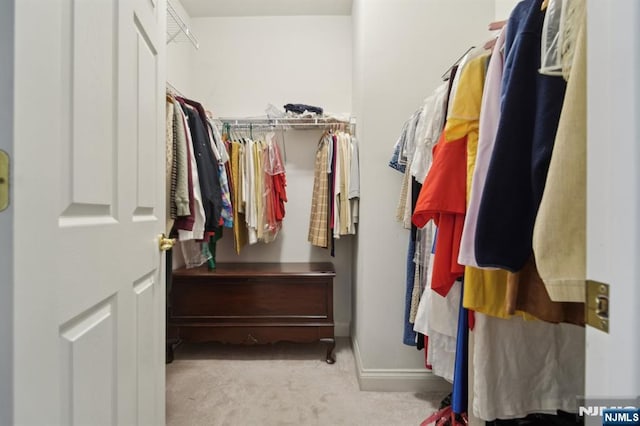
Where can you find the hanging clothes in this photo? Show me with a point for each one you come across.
(199, 196)
(485, 290)
(354, 186)
(240, 231)
(220, 153)
(189, 226)
(170, 167)
(485, 117)
(523, 367)
(559, 237)
(319, 220)
(275, 187)
(517, 172)
(489, 116)
(182, 199)
(409, 337)
(336, 190)
(437, 202)
(257, 188)
(208, 177)
(460, 379)
(429, 130)
(442, 200)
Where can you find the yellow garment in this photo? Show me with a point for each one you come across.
(239, 222)
(559, 234)
(259, 188)
(485, 290)
(464, 118)
(242, 178)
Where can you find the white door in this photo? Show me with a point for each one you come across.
(613, 194)
(88, 197)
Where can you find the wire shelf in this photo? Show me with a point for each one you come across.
(177, 29)
(287, 122)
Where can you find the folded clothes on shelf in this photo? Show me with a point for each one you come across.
(301, 108)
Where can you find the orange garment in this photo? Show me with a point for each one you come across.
(443, 199)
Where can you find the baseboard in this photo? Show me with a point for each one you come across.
(397, 380)
(342, 329)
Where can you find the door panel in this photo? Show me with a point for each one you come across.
(92, 59)
(88, 370)
(147, 83)
(89, 278)
(146, 296)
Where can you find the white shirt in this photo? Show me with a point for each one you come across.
(489, 120)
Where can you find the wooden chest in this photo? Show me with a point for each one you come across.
(253, 303)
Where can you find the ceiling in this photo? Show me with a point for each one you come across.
(202, 8)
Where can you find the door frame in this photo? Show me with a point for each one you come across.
(613, 193)
(7, 36)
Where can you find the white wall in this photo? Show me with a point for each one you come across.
(6, 217)
(504, 8)
(180, 57)
(245, 63)
(401, 48)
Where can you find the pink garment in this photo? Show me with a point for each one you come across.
(489, 119)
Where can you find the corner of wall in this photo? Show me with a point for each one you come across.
(397, 380)
(390, 80)
(342, 329)
(180, 57)
(503, 8)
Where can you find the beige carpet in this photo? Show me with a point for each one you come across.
(283, 384)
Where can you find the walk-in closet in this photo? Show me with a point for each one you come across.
(340, 212)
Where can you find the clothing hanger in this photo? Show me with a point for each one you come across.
(544, 5)
(497, 25)
(490, 43)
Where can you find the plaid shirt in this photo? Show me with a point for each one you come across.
(318, 223)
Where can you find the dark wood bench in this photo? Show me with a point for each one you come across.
(253, 303)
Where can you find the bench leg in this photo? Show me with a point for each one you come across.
(331, 345)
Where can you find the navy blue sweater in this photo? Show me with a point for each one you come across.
(530, 111)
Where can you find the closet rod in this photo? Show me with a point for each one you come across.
(287, 121)
(445, 75)
(174, 90)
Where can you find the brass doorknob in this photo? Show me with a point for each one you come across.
(166, 243)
